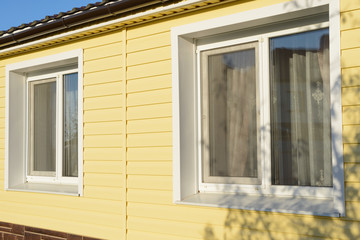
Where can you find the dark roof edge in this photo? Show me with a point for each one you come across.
(97, 13)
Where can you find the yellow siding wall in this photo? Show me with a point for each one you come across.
(151, 215)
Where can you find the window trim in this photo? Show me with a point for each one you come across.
(184, 38)
(17, 77)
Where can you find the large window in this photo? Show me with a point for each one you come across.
(44, 124)
(256, 103)
(295, 63)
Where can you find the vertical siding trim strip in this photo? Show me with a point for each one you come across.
(124, 135)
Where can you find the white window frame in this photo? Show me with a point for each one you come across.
(204, 165)
(58, 178)
(187, 169)
(18, 77)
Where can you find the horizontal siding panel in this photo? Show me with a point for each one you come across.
(149, 70)
(136, 235)
(103, 192)
(2, 133)
(165, 227)
(114, 101)
(102, 167)
(149, 154)
(2, 81)
(150, 182)
(104, 115)
(149, 125)
(150, 168)
(111, 220)
(151, 83)
(103, 89)
(2, 102)
(104, 50)
(149, 139)
(174, 218)
(48, 222)
(351, 115)
(149, 97)
(103, 128)
(101, 77)
(350, 77)
(103, 64)
(351, 134)
(149, 196)
(352, 153)
(350, 38)
(100, 40)
(2, 154)
(106, 180)
(350, 20)
(103, 141)
(161, 26)
(352, 192)
(150, 111)
(352, 210)
(103, 154)
(350, 96)
(148, 42)
(2, 92)
(2, 72)
(148, 56)
(352, 172)
(350, 58)
(54, 200)
(347, 5)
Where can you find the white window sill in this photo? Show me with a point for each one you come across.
(62, 189)
(297, 205)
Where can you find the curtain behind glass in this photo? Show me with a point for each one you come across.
(70, 153)
(300, 109)
(43, 126)
(232, 114)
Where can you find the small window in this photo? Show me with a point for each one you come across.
(53, 105)
(300, 121)
(44, 124)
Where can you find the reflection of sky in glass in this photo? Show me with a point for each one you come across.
(240, 59)
(306, 40)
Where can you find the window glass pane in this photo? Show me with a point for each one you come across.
(300, 109)
(43, 125)
(70, 153)
(232, 113)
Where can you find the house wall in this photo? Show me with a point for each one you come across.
(150, 212)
